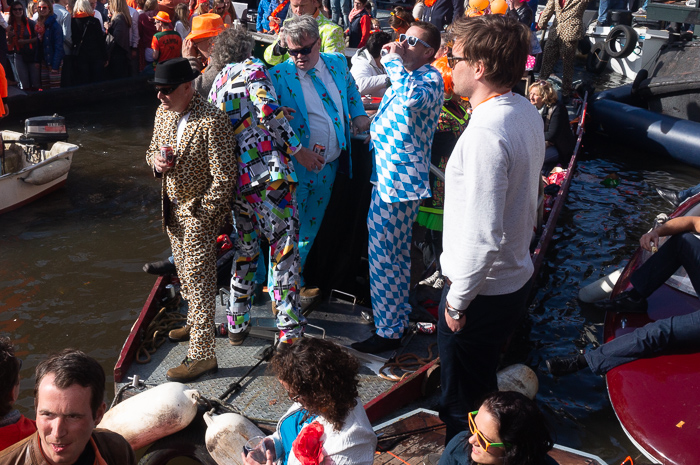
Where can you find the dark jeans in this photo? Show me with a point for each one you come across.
(679, 250)
(677, 332)
(469, 357)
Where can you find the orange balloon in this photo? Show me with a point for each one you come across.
(499, 7)
(479, 4)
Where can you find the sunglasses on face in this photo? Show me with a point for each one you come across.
(481, 439)
(301, 51)
(167, 90)
(452, 61)
(412, 40)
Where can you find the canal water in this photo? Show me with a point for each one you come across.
(70, 264)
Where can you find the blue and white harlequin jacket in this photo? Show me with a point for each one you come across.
(403, 130)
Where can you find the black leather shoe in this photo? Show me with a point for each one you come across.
(624, 303)
(160, 268)
(669, 196)
(376, 344)
(559, 366)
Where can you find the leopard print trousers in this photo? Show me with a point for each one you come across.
(194, 247)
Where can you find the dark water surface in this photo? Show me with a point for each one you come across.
(70, 264)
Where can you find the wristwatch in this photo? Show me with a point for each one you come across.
(454, 314)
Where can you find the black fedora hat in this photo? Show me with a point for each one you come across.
(175, 71)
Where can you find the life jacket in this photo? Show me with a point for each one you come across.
(356, 29)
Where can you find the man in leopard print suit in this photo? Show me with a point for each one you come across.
(197, 194)
(563, 38)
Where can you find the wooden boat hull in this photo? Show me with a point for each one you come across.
(34, 181)
(657, 400)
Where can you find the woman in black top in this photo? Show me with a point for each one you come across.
(118, 46)
(88, 44)
(559, 140)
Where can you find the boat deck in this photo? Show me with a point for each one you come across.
(261, 398)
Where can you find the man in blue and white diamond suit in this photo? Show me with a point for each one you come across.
(402, 133)
(322, 92)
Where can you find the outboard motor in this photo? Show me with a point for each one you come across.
(45, 130)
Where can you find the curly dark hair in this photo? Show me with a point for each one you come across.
(323, 374)
(233, 45)
(9, 372)
(521, 425)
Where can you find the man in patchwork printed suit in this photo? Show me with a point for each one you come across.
(320, 90)
(197, 194)
(265, 202)
(402, 133)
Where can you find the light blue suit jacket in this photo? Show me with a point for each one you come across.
(288, 88)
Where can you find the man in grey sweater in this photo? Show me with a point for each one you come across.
(490, 211)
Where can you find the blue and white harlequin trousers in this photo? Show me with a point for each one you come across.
(390, 230)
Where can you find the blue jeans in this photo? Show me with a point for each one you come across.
(675, 333)
(605, 7)
(469, 357)
(338, 8)
(691, 191)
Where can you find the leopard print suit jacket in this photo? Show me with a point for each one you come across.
(568, 21)
(203, 180)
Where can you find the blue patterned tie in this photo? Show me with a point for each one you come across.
(330, 107)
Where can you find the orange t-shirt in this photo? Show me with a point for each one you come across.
(168, 43)
(14, 433)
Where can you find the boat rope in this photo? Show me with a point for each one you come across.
(157, 333)
(409, 363)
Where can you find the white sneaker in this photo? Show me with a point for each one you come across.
(640, 12)
(430, 281)
(439, 283)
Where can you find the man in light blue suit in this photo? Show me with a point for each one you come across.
(322, 94)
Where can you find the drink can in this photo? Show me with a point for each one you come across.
(320, 149)
(168, 154)
(426, 328)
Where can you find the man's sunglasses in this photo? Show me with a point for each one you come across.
(301, 51)
(481, 439)
(452, 61)
(413, 40)
(166, 90)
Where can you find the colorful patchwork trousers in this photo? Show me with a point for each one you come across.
(390, 228)
(194, 248)
(269, 210)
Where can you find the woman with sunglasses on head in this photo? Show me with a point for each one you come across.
(559, 140)
(22, 46)
(50, 37)
(400, 20)
(508, 429)
(321, 379)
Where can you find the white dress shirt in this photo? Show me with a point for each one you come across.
(321, 130)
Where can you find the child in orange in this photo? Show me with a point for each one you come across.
(166, 42)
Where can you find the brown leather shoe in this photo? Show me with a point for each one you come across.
(236, 339)
(180, 334)
(309, 292)
(190, 370)
(274, 309)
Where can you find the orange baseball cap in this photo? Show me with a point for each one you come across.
(163, 17)
(206, 25)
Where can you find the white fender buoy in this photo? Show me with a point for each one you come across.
(226, 435)
(519, 378)
(600, 289)
(152, 414)
(48, 172)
